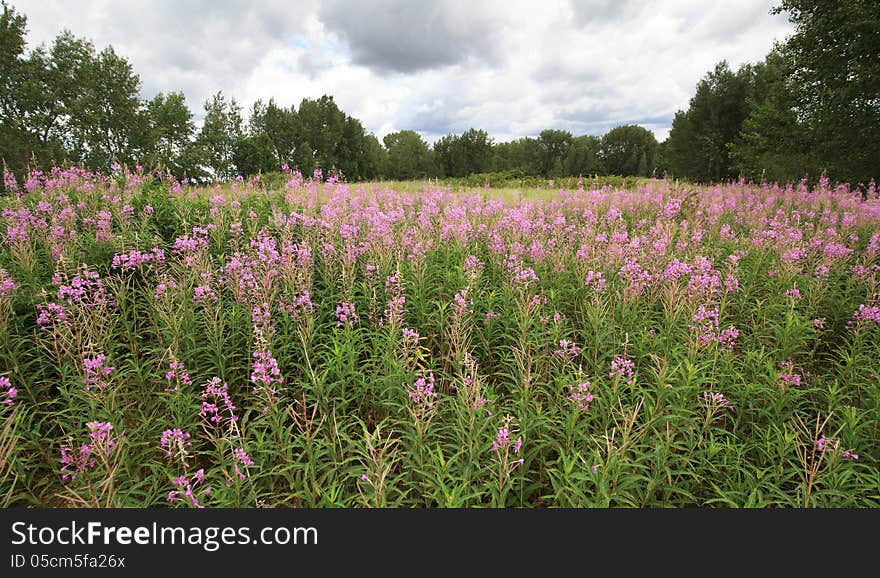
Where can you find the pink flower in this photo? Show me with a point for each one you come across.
(422, 393)
(580, 395)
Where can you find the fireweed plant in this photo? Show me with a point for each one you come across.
(333, 344)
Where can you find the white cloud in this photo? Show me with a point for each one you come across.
(511, 68)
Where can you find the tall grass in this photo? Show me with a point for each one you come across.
(326, 344)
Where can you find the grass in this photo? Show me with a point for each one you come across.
(422, 345)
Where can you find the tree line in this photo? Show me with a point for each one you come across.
(810, 107)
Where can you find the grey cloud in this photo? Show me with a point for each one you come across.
(587, 71)
(194, 46)
(598, 12)
(510, 67)
(404, 36)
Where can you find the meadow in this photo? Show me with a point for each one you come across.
(318, 343)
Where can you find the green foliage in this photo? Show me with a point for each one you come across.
(553, 147)
(408, 156)
(809, 109)
(344, 429)
(169, 131)
(833, 62)
(465, 154)
(698, 141)
(522, 154)
(628, 150)
(254, 155)
(773, 144)
(583, 157)
(219, 135)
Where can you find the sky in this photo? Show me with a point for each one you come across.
(510, 67)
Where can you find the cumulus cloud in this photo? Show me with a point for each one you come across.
(404, 36)
(194, 46)
(512, 68)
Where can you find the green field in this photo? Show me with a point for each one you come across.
(429, 345)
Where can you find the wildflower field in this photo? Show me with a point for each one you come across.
(332, 344)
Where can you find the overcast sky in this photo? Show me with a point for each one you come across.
(509, 67)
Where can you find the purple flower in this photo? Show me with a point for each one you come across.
(502, 438)
(177, 373)
(7, 390)
(76, 461)
(215, 396)
(461, 305)
(7, 285)
(568, 350)
(422, 392)
(266, 376)
(864, 315)
(242, 458)
(345, 315)
(580, 395)
(623, 368)
(714, 400)
(174, 439)
(96, 372)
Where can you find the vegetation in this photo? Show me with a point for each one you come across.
(809, 109)
(352, 345)
(259, 311)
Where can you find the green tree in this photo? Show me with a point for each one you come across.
(280, 125)
(628, 150)
(553, 146)
(106, 123)
(833, 65)
(449, 157)
(408, 156)
(321, 130)
(582, 157)
(254, 154)
(220, 133)
(522, 154)
(15, 143)
(698, 141)
(36, 93)
(169, 131)
(465, 154)
(773, 143)
(357, 155)
(375, 159)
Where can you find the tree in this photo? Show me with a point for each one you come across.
(408, 156)
(357, 157)
(254, 154)
(280, 125)
(523, 154)
(375, 158)
(221, 131)
(582, 157)
(468, 153)
(449, 157)
(698, 141)
(553, 147)
(106, 123)
(773, 143)
(833, 62)
(628, 150)
(14, 139)
(321, 127)
(169, 131)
